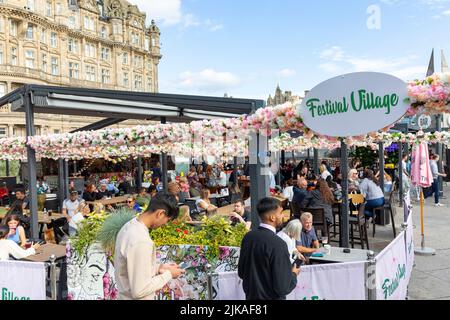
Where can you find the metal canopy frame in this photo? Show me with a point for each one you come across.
(114, 106)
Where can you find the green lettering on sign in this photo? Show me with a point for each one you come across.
(360, 101)
(9, 295)
(390, 285)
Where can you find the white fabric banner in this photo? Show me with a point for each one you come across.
(229, 286)
(336, 281)
(21, 280)
(340, 281)
(409, 248)
(391, 282)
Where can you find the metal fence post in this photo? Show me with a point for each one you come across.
(53, 277)
(404, 227)
(371, 276)
(210, 276)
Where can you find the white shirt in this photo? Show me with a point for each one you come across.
(135, 264)
(222, 179)
(271, 228)
(71, 206)
(288, 193)
(325, 174)
(272, 180)
(290, 242)
(197, 204)
(9, 247)
(370, 190)
(434, 169)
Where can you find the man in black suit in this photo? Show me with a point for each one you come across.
(264, 264)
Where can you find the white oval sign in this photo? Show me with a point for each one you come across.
(354, 104)
(424, 121)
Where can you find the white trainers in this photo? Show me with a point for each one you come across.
(438, 205)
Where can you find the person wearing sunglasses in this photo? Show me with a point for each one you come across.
(131, 203)
(137, 272)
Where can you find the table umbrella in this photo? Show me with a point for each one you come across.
(421, 176)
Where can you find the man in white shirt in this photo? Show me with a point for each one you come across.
(436, 174)
(69, 209)
(137, 273)
(222, 177)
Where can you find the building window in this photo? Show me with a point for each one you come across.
(147, 44)
(138, 61)
(138, 82)
(30, 5)
(54, 39)
(73, 3)
(44, 36)
(2, 25)
(89, 23)
(72, 46)
(55, 68)
(74, 70)
(1, 54)
(103, 33)
(105, 76)
(89, 50)
(29, 59)
(149, 84)
(2, 131)
(105, 53)
(101, 8)
(126, 80)
(72, 22)
(48, 9)
(117, 29)
(90, 73)
(153, 42)
(2, 89)
(44, 62)
(58, 9)
(56, 131)
(14, 56)
(13, 26)
(125, 58)
(29, 34)
(135, 38)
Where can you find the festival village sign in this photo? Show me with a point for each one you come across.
(355, 104)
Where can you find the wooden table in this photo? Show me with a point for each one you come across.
(41, 218)
(45, 251)
(111, 201)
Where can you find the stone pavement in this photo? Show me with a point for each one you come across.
(431, 274)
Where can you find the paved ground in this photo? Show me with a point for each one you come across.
(431, 274)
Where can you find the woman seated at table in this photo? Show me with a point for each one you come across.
(387, 181)
(290, 234)
(184, 215)
(184, 189)
(372, 192)
(312, 183)
(235, 193)
(16, 231)
(131, 204)
(353, 181)
(321, 197)
(204, 204)
(11, 248)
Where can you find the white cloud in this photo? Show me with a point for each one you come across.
(446, 13)
(190, 21)
(208, 80)
(287, 73)
(168, 12)
(337, 61)
(212, 26)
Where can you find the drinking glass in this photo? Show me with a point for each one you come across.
(324, 240)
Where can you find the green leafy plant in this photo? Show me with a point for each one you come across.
(87, 232)
(111, 226)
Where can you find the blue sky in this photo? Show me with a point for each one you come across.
(245, 47)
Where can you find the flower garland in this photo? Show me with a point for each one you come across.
(225, 138)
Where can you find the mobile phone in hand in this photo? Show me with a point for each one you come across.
(298, 262)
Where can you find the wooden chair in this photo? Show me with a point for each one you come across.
(319, 220)
(295, 210)
(388, 205)
(360, 223)
(336, 210)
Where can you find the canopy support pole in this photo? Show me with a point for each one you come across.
(316, 162)
(381, 154)
(439, 151)
(31, 156)
(164, 165)
(61, 188)
(139, 174)
(344, 224)
(7, 168)
(400, 174)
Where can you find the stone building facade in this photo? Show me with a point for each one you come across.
(280, 97)
(101, 44)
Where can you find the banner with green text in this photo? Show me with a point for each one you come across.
(391, 271)
(21, 280)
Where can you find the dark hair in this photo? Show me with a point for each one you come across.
(12, 216)
(241, 201)
(369, 175)
(267, 205)
(167, 202)
(4, 231)
(434, 156)
(19, 190)
(142, 189)
(325, 192)
(151, 188)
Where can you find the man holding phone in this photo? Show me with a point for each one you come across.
(137, 273)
